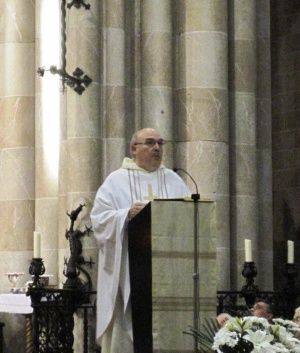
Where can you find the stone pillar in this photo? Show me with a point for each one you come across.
(285, 128)
(80, 167)
(156, 74)
(112, 101)
(47, 134)
(17, 72)
(201, 115)
(81, 150)
(17, 157)
(133, 67)
(243, 168)
(264, 146)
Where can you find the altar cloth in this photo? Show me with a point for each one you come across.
(15, 303)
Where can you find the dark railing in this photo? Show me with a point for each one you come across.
(53, 308)
(53, 318)
(283, 302)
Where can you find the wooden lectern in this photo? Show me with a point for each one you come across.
(160, 244)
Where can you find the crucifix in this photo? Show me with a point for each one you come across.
(150, 196)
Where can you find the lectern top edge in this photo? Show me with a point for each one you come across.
(186, 199)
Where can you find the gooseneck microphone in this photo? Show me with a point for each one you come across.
(196, 196)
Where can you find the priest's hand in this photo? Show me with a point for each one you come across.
(135, 209)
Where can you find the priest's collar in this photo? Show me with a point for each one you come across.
(129, 163)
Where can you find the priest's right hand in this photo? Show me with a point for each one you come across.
(135, 209)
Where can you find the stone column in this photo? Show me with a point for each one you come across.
(285, 128)
(17, 72)
(80, 166)
(47, 134)
(156, 69)
(264, 146)
(243, 168)
(201, 116)
(81, 150)
(17, 157)
(112, 89)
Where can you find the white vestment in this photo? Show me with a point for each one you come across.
(109, 216)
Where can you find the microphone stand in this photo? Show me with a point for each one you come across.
(196, 276)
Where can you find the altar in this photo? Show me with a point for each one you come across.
(18, 303)
(15, 303)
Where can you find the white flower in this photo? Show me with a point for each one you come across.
(224, 337)
(288, 324)
(296, 349)
(261, 341)
(258, 320)
(279, 347)
(234, 324)
(264, 337)
(284, 336)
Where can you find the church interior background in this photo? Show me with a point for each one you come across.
(219, 79)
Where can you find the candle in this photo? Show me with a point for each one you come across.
(248, 250)
(36, 245)
(290, 254)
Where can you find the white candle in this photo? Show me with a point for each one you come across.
(36, 245)
(290, 254)
(248, 250)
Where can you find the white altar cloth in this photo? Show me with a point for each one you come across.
(15, 303)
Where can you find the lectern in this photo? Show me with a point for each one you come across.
(161, 254)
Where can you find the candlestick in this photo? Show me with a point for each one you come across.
(290, 254)
(248, 250)
(36, 269)
(250, 289)
(36, 245)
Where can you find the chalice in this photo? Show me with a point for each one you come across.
(13, 278)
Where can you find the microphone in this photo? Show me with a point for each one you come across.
(196, 196)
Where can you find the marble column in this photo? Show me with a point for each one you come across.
(17, 157)
(201, 114)
(243, 168)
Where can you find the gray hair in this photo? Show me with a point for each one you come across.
(134, 138)
(135, 135)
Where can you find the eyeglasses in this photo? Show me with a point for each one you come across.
(151, 142)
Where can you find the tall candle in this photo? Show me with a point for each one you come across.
(290, 254)
(248, 250)
(36, 245)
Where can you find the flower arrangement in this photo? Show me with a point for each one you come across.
(256, 335)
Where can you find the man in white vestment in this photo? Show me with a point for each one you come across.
(122, 196)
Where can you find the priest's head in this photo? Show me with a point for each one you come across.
(146, 148)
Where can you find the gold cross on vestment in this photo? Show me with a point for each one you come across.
(150, 196)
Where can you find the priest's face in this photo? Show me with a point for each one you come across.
(147, 149)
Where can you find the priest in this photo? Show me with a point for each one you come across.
(121, 197)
